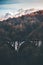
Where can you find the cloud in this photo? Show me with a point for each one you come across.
(19, 1)
(20, 5)
(9, 1)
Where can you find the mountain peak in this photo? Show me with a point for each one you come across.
(21, 12)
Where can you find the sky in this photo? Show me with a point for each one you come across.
(13, 5)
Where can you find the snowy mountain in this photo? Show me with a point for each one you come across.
(6, 16)
(21, 12)
(18, 13)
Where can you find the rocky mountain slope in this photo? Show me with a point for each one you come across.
(28, 28)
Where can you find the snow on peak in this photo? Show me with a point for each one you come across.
(9, 14)
(21, 12)
(18, 13)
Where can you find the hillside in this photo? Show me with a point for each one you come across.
(28, 28)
